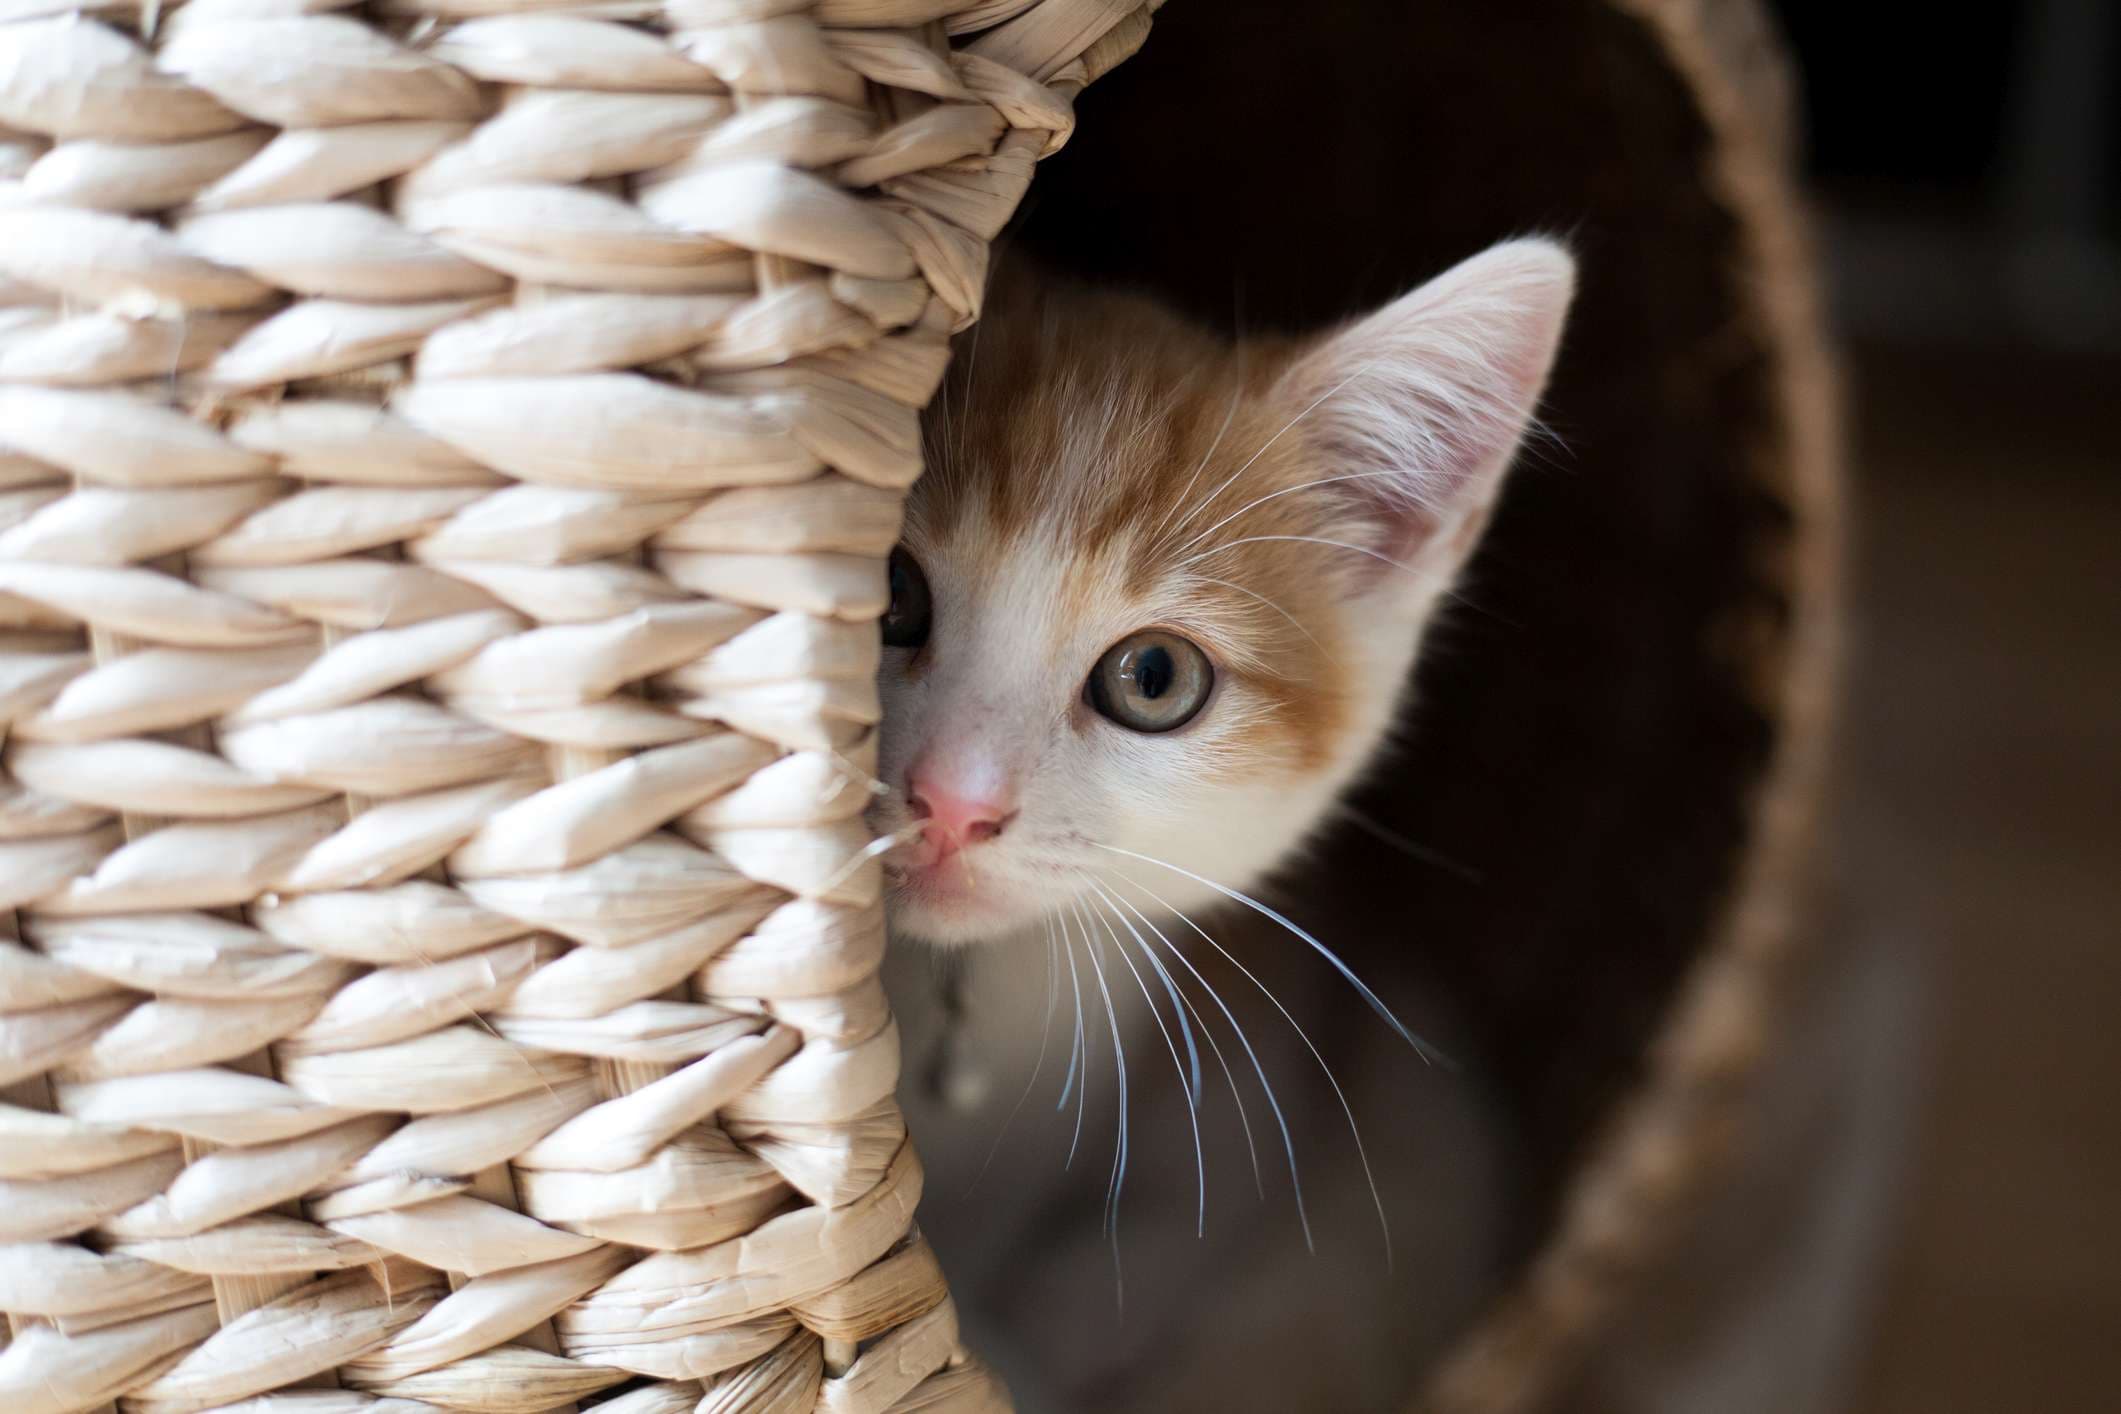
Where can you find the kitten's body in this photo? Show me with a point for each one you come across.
(1290, 513)
(1242, 1317)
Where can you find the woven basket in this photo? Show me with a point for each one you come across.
(449, 449)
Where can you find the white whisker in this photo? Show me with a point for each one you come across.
(1189, 1078)
(1421, 1047)
(1288, 1142)
(1413, 849)
(1117, 1181)
(1299, 540)
(1117, 1184)
(882, 845)
(1237, 393)
(964, 424)
(1258, 501)
(1188, 1070)
(1080, 1080)
(1149, 422)
(1210, 500)
(854, 772)
(1355, 1131)
(1205, 579)
(1192, 1092)
(935, 466)
(1215, 1047)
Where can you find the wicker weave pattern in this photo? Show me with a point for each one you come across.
(447, 450)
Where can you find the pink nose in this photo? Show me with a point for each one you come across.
(954, 818)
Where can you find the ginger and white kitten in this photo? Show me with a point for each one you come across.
(1156, 607)
(1158, 595)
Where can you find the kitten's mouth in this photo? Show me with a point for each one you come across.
(947, 883)
(955, 900)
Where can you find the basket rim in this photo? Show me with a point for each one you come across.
(1685, 1127)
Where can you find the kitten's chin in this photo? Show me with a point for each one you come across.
(948, 912)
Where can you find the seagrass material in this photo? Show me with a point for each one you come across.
(1678, 1133)
(447, 454)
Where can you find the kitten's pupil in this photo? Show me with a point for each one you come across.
(1152, 672)
(905, 622)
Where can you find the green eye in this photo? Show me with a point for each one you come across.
(905, 623)
(1151, 681)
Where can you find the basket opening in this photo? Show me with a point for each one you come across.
(1588, 737)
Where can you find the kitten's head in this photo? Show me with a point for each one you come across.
(1158, 595)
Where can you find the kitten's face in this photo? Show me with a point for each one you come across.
(1157, 596)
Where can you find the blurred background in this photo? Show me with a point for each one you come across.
(1967, 163)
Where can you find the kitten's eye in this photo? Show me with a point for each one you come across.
(1151, 681)
(905, 623)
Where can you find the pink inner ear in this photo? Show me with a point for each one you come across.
(1427, 400)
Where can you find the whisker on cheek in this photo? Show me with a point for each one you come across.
(881, 845)
(1192, 1090)
(854, 772)
(1200, 1023)
(1288, 1142)
(1078, 1054)
(1362, 988)
(1347, 1110)
(1413, 849)
(1190, 1078)
(1118, 1180)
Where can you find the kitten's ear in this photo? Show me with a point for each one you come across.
(1422, 404)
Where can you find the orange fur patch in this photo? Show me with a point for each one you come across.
(1154, 456)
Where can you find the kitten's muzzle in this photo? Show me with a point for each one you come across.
(952, 821)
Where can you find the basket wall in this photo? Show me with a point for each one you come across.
(447, 452)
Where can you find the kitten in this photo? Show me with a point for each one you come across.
(1155, 608)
